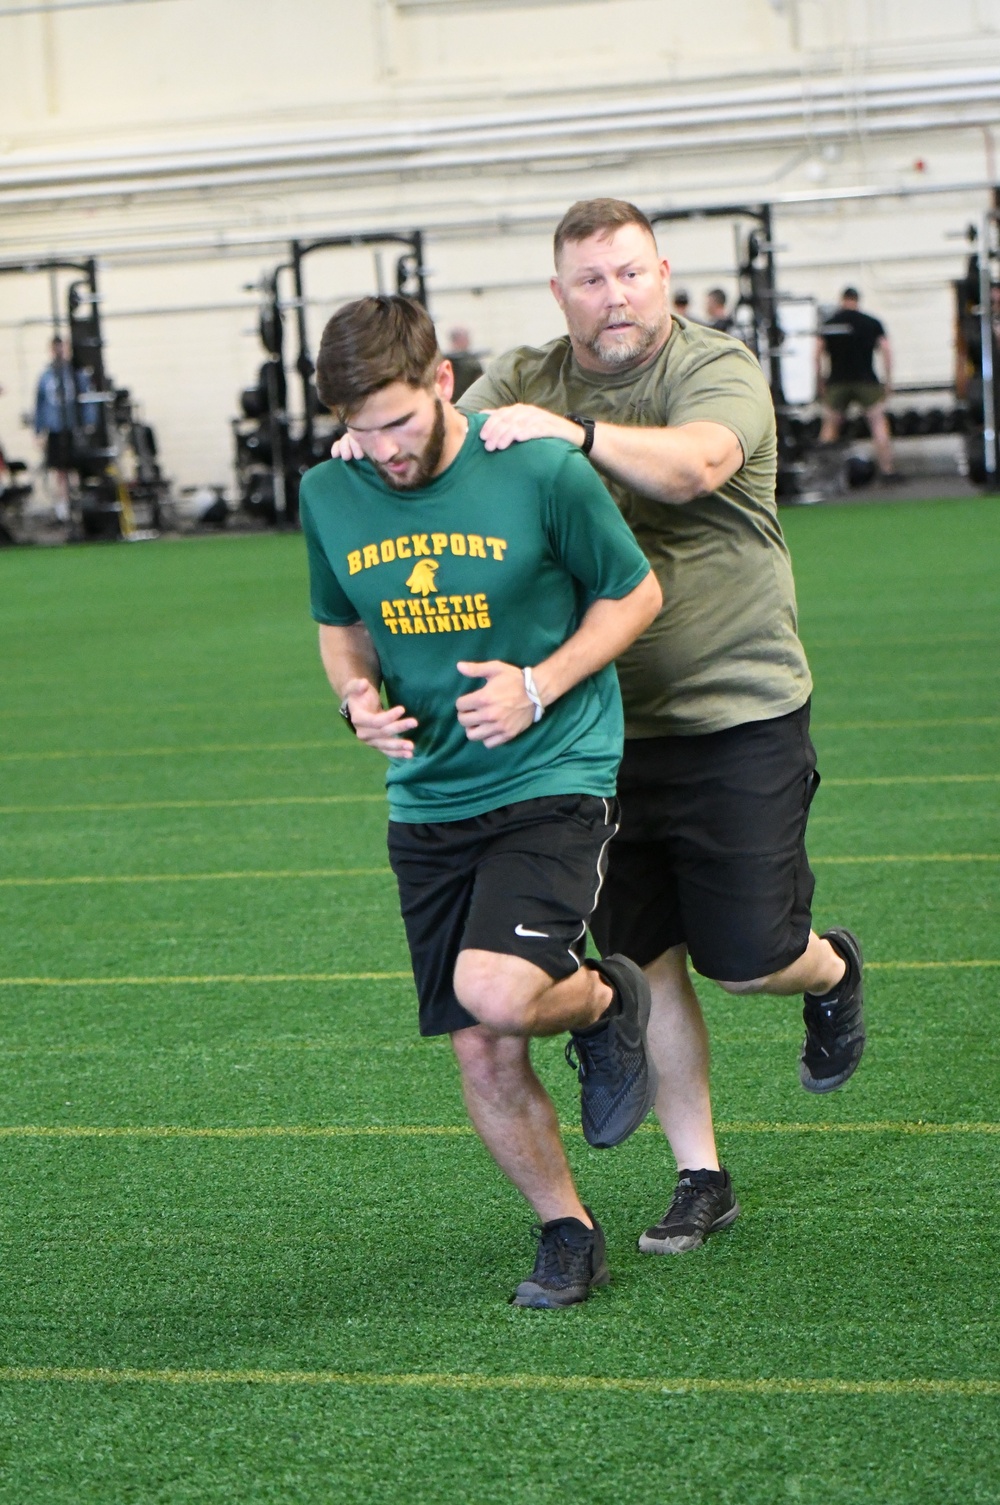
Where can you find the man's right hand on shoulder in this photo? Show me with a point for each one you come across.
(346, 448)
(376, 727)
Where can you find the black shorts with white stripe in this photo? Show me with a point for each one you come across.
(522, 880)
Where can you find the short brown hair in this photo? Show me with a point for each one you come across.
(590, 217)
(371, 343)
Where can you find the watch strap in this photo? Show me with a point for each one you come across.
(587, 424)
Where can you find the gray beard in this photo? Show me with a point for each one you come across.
(625, 353)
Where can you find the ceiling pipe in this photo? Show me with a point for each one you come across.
(590, 153)
(538, 218)
(803, 96)
(832, 98)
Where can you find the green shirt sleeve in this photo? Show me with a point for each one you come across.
(588, 534)
(730, 390)
(327, 600)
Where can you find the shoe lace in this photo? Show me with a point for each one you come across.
(592, 1055)
(556, 1255)
(685, 1192)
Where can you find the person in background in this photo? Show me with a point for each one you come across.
(845, 352)
(57, 414)
(467, 367)
(716, 313)
(682, 303)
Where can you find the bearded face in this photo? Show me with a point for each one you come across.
(410, 469)
(614, 292)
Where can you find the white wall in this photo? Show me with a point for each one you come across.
(185, 141)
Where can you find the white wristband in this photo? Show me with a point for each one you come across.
(531, 690)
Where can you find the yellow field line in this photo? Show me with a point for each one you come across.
(330, 745)
(251, 875)
(287, 799)
(446, 1131)
(875, 726)
(627, 1384)
(375, 799)
(254, 875)
(927, 966)
(909, 857)
(195, 979)
(275, 874)
(908, 778)
(167, 752)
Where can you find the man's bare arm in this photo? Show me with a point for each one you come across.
(885, 351)
(355, 674)
(501, 709)
(668, 464)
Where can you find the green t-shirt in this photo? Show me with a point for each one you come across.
(724, 650)
(497, 558)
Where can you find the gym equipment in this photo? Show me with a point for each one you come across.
(977, 349)
(113, 452)
(273, 448)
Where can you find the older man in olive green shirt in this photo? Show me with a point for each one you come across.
(718, 770)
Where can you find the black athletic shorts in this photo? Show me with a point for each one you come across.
(711, 850)
(521, 880)
(59, 449)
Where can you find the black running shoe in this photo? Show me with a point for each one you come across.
(835, 1027)
(569, 1263)
(700, 1207)
(617, 1077)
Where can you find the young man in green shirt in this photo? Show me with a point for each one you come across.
(489, 594)
(718, 770)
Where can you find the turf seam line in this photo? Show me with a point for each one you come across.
(361, 799)
(200, 979)
(254, 875)
(250, 875)
(915, 778)
(445, 1131)
(166, 752)
(330, 745)
(630, 1384)
(193, 980)
(282, 800)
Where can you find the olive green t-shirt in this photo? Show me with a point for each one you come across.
(498, 557)
(724, 650)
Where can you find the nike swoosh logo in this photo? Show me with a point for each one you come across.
(542, 934)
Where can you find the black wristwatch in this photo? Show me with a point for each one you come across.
(345, 710)
(587, 424)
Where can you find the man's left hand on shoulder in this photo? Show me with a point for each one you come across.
(507, 426)
(499, 710)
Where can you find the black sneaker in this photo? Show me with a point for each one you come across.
(700, 1207)
(617, 1077)
(835, 1027)
(569, 1263)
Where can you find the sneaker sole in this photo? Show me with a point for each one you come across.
(530, 1295)
(687, 1242)
(820, 1084)
(652, 1078)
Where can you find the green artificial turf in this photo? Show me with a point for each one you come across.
(321, 1316)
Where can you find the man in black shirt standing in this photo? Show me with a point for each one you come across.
(849, 341)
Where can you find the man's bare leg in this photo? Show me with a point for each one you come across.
(881, 440)
(515, 997)
(830, 429)
(678, 1042)
(516, 1120)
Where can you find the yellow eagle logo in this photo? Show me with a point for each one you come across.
(421, 581)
